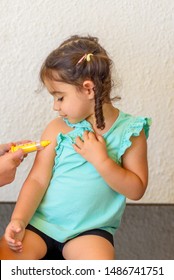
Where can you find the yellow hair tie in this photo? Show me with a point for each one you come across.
(85, 56)
(88, 56)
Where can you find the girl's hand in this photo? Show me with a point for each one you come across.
(14, 235)
(92, 148)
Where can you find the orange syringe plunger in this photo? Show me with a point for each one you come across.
(31, 146)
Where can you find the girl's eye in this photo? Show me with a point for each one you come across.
(60, 99)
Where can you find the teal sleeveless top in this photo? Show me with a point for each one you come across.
(78, 199)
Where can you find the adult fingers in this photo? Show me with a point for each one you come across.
(17, 157)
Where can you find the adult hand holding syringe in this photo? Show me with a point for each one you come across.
(31, 146)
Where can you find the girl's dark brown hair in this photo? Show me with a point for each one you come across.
(62, 64)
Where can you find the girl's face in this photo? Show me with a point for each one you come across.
(71, 103)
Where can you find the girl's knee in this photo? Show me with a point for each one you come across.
(33, 248)
(89, 247)
(5, 252)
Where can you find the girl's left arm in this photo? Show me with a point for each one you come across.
(131, 178)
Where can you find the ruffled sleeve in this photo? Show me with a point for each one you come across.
(135, 126)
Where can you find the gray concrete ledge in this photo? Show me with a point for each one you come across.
(146, 231)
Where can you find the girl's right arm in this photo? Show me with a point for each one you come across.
(33, 188)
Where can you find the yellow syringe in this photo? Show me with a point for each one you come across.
(31, 146)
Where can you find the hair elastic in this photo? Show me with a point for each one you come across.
(88, 56)
(85, 56)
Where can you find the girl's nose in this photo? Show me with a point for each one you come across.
(56, 106)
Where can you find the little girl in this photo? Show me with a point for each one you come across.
(74, 196)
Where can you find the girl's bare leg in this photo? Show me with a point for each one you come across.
(89, 247)
(34, 248)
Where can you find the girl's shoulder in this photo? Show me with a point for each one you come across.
(129, 126)
(55, 127)
(58, 125)
(134, 124)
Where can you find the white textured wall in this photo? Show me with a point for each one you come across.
(139, 36)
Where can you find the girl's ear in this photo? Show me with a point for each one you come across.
(88, 85)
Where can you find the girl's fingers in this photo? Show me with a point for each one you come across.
(85, 135)
(79, 142)
(91, 135)
(15, 247)
(100, 139)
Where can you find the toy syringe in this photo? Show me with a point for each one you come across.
(31, 146)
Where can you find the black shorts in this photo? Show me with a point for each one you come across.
(54, 247)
